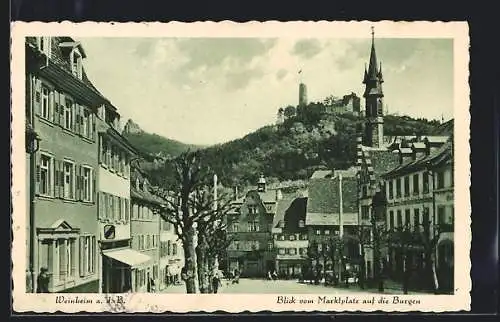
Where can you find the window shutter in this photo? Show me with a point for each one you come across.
(76, 113)
(79, 183)
(81, 259)
(93, 252)
(94, 188)
(73, 107)
(52, 167)
(51, 106)
(93, 129)
(62, 106)
(127, 210)
(56, 115)
(38, 96)
(37, 173)
(63, 184)
(99, 206)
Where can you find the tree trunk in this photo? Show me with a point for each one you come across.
(362, 275)
(190, 275)
(202, 265)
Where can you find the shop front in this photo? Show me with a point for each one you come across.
(121, 270)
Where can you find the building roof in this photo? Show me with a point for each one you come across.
(324, 199)
(321, 174)
(139, 192)
(433, 158)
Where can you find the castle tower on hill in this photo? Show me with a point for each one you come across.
(302, 94)
(373, 79)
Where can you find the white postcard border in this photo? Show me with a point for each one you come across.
(156, 303)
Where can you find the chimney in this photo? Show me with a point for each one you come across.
(279, 195)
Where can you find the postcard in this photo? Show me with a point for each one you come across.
(240, 167)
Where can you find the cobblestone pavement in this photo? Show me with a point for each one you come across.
(279, 287)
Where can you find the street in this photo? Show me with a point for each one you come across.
(261, 286)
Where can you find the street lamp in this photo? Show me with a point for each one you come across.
(32, 146)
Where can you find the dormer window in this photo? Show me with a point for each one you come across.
(44, 45)
(76, 63)
(301, 224)
(137, 183)
(145, 185)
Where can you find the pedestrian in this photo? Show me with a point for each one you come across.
(269, 277)
(151, 285)
(216, 281)
(275, 275)
(43, 281)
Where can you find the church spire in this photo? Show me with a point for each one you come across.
(374, 106)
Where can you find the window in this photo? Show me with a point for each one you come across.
(87, 184)
(87, 255)
(270, 246)
(318, 232)
(44, 45)
(425, 217)
(45, 106)
(68, 116)
(365, 212)
(416, 186)
(303, 237)
(252, 209)
(398, 188)
(234, 227)
(76, 63)
(391, 192)
(292, 251)
(301, 224)
(253, 226)
(281, 251)
(416, 219)
(282, 237)
(291, 237)
(399, 219)
(46, 176)
(439, 179)
(407, 218)
(407, 185)
(441, 212)
(327, 232)
(174, 249)
(425, 183)
(69, 180)
(85, 120)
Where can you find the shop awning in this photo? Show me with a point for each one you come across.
(128, 256)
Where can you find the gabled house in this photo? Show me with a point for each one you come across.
(250, 222)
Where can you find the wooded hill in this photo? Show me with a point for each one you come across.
(304, 142)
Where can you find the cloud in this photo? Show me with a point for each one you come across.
(184, 88)
(307, 48)
(280, 74)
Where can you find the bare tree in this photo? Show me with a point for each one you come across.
(212, 237)
(380, 235)
(429, 238)
(404, 239)
(188, 204)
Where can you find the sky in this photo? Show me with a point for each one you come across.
(213, 90)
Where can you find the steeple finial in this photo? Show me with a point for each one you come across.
(373, 34)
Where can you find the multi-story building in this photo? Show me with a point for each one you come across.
(171, 256)
(118, 261)
(332, 211)
(61, 106)
(290, 236)
(249, 225)
(145, 229)
(420, 201)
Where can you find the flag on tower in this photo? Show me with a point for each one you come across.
(300, 71)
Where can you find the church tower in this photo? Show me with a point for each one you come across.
(374, 126)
